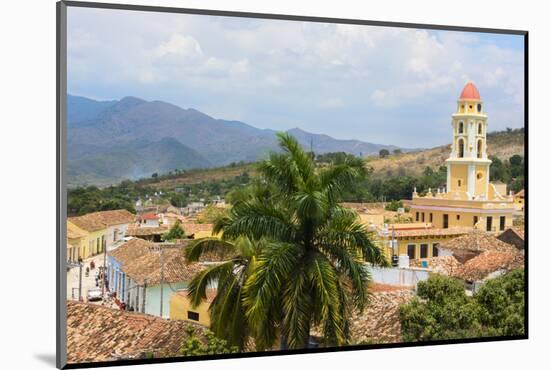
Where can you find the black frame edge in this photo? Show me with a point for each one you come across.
(287, 17)
(61, 212)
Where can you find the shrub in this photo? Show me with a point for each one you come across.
(442, 310)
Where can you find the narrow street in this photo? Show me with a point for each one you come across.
(88, 282)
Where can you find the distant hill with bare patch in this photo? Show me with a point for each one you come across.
(502, 145)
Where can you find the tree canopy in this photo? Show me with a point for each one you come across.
(442, 309)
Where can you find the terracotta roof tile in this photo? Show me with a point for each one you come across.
(131, 250)
(514, 236)
(191, 228)
(96, 333)
(379, 322)
(478, 268)
(477, 241)
(452, 231)
(148, 266)
(444, 265)
(134, 230)
(73, 233)
(103, 219)
(149, 216)
(520, 231)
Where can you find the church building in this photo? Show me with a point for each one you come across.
(468, 201)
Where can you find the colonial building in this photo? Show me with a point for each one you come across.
(469, 199)
(468, 202)
(182, 309)
(89, 234)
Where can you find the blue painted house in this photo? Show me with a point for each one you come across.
(118, 258)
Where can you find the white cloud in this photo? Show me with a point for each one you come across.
(180, 45)
(275, 73)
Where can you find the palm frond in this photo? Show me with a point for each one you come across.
(264, 286)
(227, 313)
(344, 230)
(297, 309)
(298, 156)
(310, 205)
(337, 178)
(195, 250)
(208, 278)
(256, 220)
(281, 172)
(325, 283)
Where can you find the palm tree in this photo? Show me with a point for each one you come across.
(310, 270)
(227, 314)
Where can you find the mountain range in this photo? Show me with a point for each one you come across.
(132, 138)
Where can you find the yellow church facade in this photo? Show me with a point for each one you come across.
(468, 201)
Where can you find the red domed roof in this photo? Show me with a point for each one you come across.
(469, 92)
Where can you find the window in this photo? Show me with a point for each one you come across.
(411, 251)
(479, 175)
(502, 222)
(423, 250)
(476, 219)
(479, 108)
(431, 217)
(458, 217)
(461, 127)
(479, 128)
(489, 223)
(422, 216)
(435, 250)
(193, 315)
(479, 148)
(459, 183)
(417, 216)
(471, 107)
(445, 221)
(460, 148)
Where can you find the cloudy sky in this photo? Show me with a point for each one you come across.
(377, 84)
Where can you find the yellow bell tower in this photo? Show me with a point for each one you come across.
(468, 165)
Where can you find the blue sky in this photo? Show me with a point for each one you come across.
(377, 84)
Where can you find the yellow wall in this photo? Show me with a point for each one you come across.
(89, 244)
(180, 305)
(76, 248)
(481, 183)
(459, 172)
(466, 219)
(402, 245)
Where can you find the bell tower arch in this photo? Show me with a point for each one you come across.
(468, 165)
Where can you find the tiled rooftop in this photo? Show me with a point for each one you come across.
(428, 231)
(477, 241)
(148, 266)
(131, 250)
(478, 268)
(444, 265)
(134, 230)
(379, 322)
(103, 219)
(96, 333)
